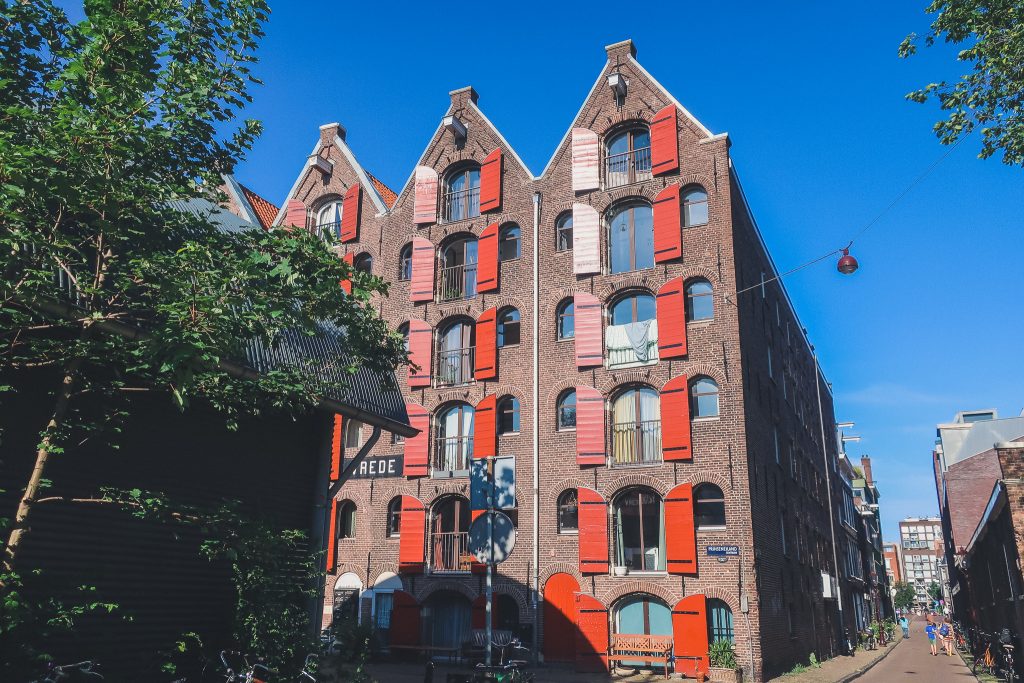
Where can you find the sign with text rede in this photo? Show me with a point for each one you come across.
(380, 467)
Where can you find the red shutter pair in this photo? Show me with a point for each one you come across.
(412, 544)
(351, 208)
(487, 259)
(690, 635)
(486, 360)
(421, 283)
(346, 284)
(421, 344)
(417, 447)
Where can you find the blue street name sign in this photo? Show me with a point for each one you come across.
(724, 550)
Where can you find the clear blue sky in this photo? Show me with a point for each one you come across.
(812, 96)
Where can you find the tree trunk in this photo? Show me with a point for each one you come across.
(60, 410)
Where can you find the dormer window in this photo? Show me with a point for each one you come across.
(328, 220)
(628, 157)
(462, 194)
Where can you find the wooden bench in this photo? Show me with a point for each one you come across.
(641, 648)
(429, 650)
(474, 649)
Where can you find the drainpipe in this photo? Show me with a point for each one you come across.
(536, 423)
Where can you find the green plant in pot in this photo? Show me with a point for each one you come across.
(722, 655)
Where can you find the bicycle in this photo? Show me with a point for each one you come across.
(55, 674)
(258, 672)
(510, 671)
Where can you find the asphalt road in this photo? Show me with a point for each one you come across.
(912, 660)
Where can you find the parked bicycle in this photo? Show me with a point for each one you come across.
(511, 665)
(82, 671)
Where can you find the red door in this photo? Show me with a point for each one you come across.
(560, 618)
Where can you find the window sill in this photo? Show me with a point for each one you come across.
(569, 532)
(510, 346)
(449, 474)
(714, 418)
(637, 572)
(509, 434)
(561, 340)
(634, 465)
(704, 322)
(712, 529)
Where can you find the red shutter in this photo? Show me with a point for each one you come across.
(490, 182)
(672, 320)
(332, 538)
(346, 284)
(587, 339)
(664, 141)
(680, 537)
(668, 236)
(294, 214)
(676, 439)
(560, 617)
(336, 435)
(586, 240)
(487, 345)
(474, 566)
(589, 426)
(421, 343)
(421, 285)
(586, 160)
(591, 634)
(485, 427)
(425, 204)
(405, 620)
(690, 635)
(412, 527)
(487, 259)
(416, 446)
(350, 213)
(593, 532)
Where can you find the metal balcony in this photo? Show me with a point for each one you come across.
(455, 366)
(627, 167)
(455, 283)
(636, 443)
(452, 455)
(449, 552)
(460, 205)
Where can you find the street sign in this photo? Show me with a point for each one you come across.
(723, 550)
(383, 467)
(481, 544)
(501, 493)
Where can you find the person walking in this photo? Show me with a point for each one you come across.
(946, 631)
(905, 625)
(930, 632)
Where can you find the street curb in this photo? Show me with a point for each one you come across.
(864, 669)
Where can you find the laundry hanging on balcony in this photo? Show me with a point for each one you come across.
(632, 343)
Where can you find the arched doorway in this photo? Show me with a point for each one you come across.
(641, 614)
(345, 604)
(447, 616)
(560, 618)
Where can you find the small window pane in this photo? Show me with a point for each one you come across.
(710, 506)
(695, 207)
(508, 243)
(405, 263)
(705, 398)
(394, 517)
(508, 327)
(508, 416)
(700, 302)
(567, 411)
(563, 232)
(568, 512)
(566, 320)
(347, 520)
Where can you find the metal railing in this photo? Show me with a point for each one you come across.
(460, 204)
(330, 230)
(449, 551)
(453, 453)
(626, 355)
(627, 167)
(636, 443)
(454, 366)
(456, 282)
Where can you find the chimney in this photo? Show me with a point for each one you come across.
(865, 464)
(621, 51)
(460, 96)
(328, 131)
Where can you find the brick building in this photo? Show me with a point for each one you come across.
(610, 332)
(892, 552)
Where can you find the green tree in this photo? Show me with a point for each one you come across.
(105, 289)
(905, 596)
(935, 591)
(990, 96)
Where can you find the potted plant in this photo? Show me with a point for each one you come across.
(620, 570)
(723, 663)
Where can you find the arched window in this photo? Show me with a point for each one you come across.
(719, 621)
(458, 269)
(563, 232)
(633, 307)
(636, 343)
(353, 436)
(631, 237)
(509, 242)
(328, 220)
(566, 319)
(628, 156)
(508, 327)
(455, 353)
(363, 263)
(403, 330)
(449, 535)
(347, 519)
(462, 193)
(636, 427)
(454, 448)
(405, 263)
(709, 507)
(695, 206)
(567, 410)
(704, 397)
(508, 415)
(394, 522)
(700, 302)
(638, 518)
(568, 512)
(642, 614)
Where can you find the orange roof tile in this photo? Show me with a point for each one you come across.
(386, 193)
(265, 211)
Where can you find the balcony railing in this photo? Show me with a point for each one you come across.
(330, 230)
(627, 167)
(620, 349)
(636, 443)
(452, 454)
(457, 282)
(461, 204)
(455, 366)
(449, 551)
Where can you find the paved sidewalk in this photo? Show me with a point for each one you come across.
(914, 661)
(839, 668)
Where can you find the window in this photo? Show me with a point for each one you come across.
(395, 517)
(455, 353)
(627, 342)
(347, 520)
(405, 263)
(508, 327)
(353, 436)
(328, 220)
(631, 237)
(566, 319)
(403, 330)
(567, 410)
(509, 240)
(704, 397)
(363, 263)
(642, 614)
(462, 194)
(695, 206)
(719, 621)
(568, 512)
(628, 157)
(457, 276)
(449, 535)
(508, 415)
(563, 232)
(633, 308)
(636, 427)
(638, 517)
(700, 302)
(454, 448)
(709, 507)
